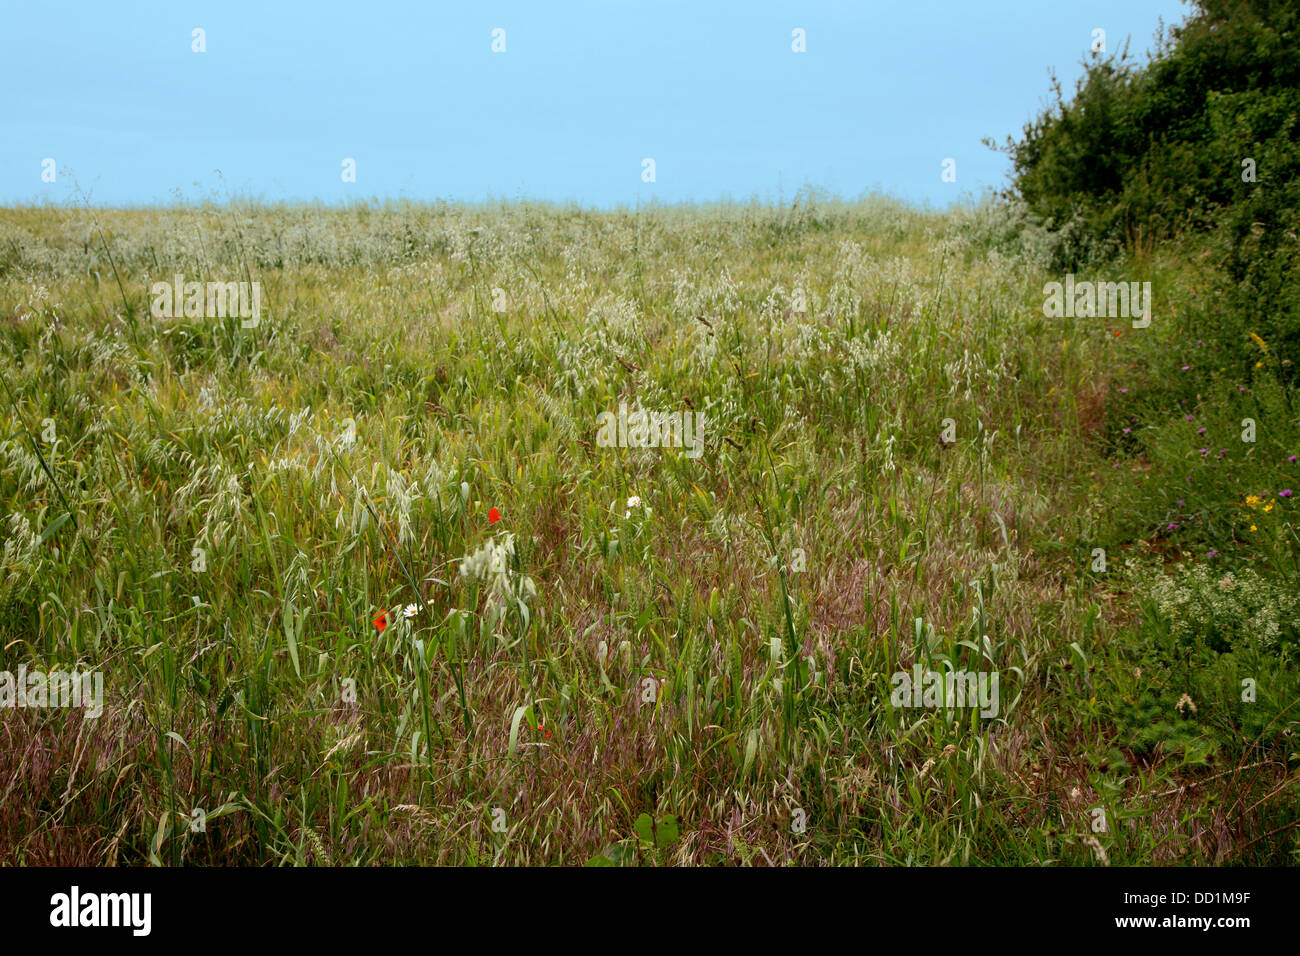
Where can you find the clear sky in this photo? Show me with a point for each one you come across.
(582, 94)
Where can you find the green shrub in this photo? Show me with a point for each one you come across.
(1225, 610)
(1202, 140)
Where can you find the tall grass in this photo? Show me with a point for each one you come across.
(663, 684)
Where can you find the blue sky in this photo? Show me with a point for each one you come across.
(584, 91)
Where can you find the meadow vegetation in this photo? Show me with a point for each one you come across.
(364, 588)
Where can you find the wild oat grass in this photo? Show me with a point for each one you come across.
(275, 544)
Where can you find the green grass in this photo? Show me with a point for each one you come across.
(697, 681)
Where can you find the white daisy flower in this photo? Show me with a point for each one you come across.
(411, 610)
(634, 501)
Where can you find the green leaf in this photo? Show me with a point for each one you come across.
(751, 748)
(621, 854)
(659, 833)
(53, 527)
(616, 854)
(514, 729)
(291, 635)
(1074, 646)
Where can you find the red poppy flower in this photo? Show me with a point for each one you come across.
(494, 516)
(381, 620)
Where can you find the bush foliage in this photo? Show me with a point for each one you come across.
(1200, 141)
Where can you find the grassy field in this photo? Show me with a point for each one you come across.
(277, 544)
